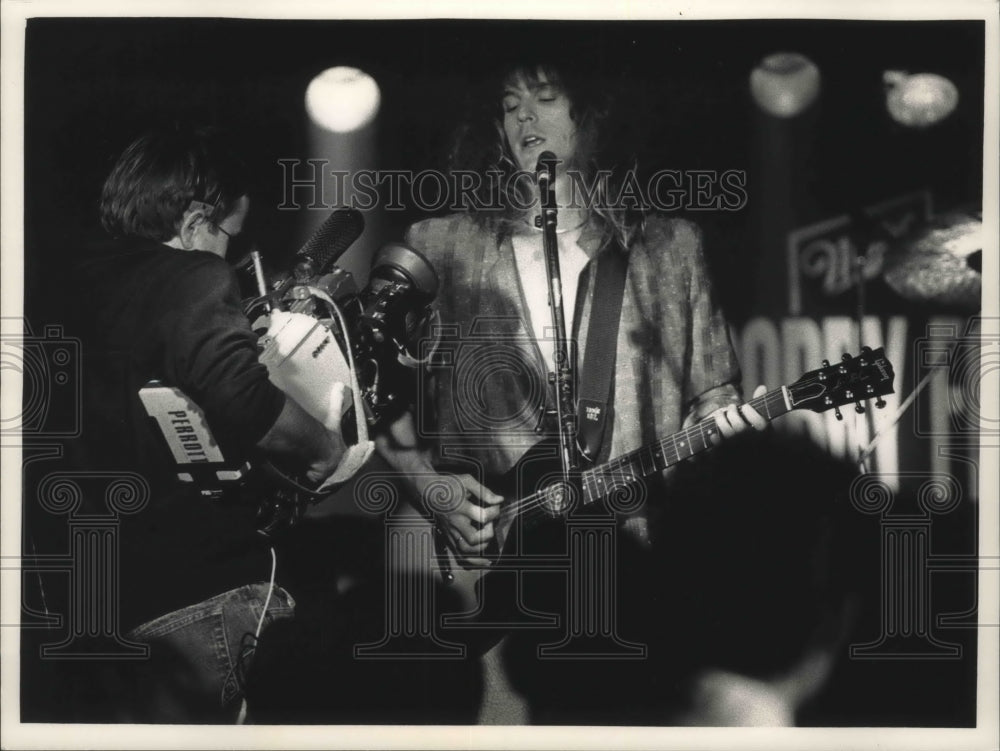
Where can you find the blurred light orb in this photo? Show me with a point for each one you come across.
(785, 83)
(919, 100)
(342, 99)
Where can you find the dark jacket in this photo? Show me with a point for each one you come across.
(149, 311)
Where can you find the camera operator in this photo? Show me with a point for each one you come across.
(163, 304)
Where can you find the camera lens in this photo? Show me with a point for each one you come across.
(395, 259)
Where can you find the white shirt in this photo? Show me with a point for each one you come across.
(529, 257)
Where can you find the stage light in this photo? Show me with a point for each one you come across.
(918, 100)
(342, 99)
(785, 83)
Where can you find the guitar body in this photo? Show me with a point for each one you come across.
(525, 585)
(480, 599)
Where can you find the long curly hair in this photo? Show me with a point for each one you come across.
(599, 162)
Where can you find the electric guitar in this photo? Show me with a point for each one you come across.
(615, 486)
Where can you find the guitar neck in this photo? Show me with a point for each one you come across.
(854, 379)
(599, 482)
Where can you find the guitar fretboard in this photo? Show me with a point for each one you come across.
(599, 482)
(867, 376)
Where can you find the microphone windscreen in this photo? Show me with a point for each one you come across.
(333, 238)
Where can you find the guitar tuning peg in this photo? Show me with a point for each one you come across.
(845, 357)
(836, 412)
(826, 363)
(859, 408)
(880, 402)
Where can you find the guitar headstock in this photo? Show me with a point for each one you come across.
(852, 380)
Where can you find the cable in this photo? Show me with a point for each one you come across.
(241, 718)
(270, 591)
(863, 457)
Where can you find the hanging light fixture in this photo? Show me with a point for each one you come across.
(342, 99)
(785, 83)
(918, 100)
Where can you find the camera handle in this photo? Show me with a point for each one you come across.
(276, 353)
(412, 362)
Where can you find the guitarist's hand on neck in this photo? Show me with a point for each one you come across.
(733, 419)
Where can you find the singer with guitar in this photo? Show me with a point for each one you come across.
(634, 290)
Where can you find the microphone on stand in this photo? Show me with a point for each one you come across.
(562, 378)
(545, 169)
(545, 174)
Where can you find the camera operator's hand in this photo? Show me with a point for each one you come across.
(331, 451)
(464, 509)
(326, 463)
(301, 441)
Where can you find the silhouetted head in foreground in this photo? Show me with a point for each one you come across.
(758, 563)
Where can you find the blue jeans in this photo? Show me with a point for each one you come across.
(199, 657)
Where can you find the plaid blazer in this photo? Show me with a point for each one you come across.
(484, 395)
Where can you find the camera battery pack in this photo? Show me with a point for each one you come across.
(196, 454)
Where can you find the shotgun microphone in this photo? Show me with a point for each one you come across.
(328, 243)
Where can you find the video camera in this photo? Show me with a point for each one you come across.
(347, 356)
(379, 328)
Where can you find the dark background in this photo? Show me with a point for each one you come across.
(91, 85)
(683, 96)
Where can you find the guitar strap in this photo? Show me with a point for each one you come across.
(595, 403)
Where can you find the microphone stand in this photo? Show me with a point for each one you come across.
(857, 277)
(867, 229)
(562, 378)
